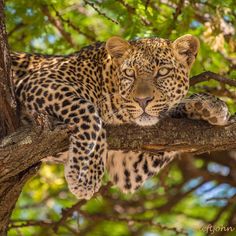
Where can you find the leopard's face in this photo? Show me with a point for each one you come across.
(150, 83)
(152, 78)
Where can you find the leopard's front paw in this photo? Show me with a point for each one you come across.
(84, 178)
(207, 107)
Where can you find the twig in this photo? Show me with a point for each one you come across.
(16, 28)
(228, 199)
(176, 13)
(178, 10)
(132, 11)
(220, 92)
(129, 8)
(99, 12)
(55, 225)
(195, 172)
(66, 213)
(176, 198)
(76, 28)
(131, 221)
(208, 75)
(219, 214)
(231, 218)
(146, 4)
(28, 223)
(58, 25)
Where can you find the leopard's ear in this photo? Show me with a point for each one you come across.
(186, 48)
(116, 47)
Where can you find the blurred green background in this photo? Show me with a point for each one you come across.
(180, 200)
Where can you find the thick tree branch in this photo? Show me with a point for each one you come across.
(173, 135)
(13, 149)
(169, 135)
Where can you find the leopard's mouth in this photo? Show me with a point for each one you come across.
(146, 120)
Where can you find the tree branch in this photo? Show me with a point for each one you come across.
(208, 75)
(59, 26)
(132, 11)
(93, 5)
(168, 135)
(88, 34)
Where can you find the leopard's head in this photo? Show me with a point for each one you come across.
(152, 74)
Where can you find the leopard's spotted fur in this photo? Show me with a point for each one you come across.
(114, 82)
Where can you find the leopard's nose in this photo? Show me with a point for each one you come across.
(143, 102)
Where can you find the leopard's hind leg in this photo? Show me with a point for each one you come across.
(129, 170)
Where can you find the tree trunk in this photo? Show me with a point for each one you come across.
(8, 117)
(11, 188)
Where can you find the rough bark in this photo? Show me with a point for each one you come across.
(9, 190)
(8, 118)
(182, 135)
(170, 135)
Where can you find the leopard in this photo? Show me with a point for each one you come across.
(114, 82)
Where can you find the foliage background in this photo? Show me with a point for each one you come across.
(188, 195)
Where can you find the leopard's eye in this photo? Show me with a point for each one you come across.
(163, 71)
(129, 72)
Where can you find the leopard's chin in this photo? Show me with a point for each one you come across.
(146, 120)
